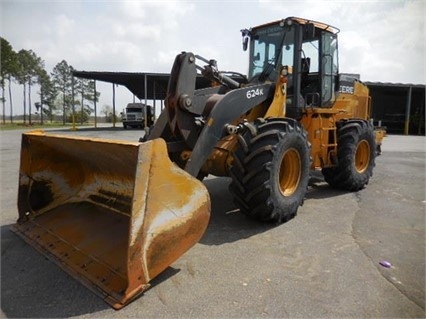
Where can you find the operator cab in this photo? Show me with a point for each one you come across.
(307, 48)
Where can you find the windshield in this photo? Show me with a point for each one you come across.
(271, 46)
(134, 110)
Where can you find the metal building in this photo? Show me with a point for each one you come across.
(399, 107)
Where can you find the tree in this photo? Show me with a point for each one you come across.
(62, 81)
(29, 65)
(47, 94)
(107, 112)
(85, 89)
(8, 69)
(21, 77)
(37, 65)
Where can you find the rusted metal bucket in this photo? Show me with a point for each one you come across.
(113, 214)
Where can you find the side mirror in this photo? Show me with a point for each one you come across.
(246, 36)
(245, 43)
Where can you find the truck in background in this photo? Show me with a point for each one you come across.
(134, 115)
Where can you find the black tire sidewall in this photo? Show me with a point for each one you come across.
(255, 174)
(360, 179)
(290, 203)
(345, 176)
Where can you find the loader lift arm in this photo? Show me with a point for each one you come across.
(213, 108)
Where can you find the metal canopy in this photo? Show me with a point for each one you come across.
(151, 86)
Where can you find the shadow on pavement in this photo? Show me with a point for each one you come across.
(318, 188)
(227, 224)
(34, 287)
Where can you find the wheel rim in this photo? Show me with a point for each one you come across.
(290, 172)
(362, 156)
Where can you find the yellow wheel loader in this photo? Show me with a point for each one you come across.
(115, 214)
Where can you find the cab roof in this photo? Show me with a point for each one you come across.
(319, 25)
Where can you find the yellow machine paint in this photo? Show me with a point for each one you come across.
(97, 208)
(320, 124)
(115, 214)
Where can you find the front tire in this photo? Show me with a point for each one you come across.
(271, 170)
(356, 153)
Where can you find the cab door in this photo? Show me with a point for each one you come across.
(329, 68)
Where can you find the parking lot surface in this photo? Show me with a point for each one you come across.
(323, 263)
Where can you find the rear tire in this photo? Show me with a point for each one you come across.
(270, 173)
(356, 153)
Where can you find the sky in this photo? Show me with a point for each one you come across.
(383, 41)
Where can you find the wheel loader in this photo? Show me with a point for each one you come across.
(115, 214)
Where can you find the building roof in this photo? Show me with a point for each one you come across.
(395, 85)
(156, 83)
(151, 86)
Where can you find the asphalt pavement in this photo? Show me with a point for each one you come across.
(323, 263)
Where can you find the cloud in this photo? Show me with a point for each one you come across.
(63, 26)
(381, 40)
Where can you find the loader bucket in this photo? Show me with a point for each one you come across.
(113, 214)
